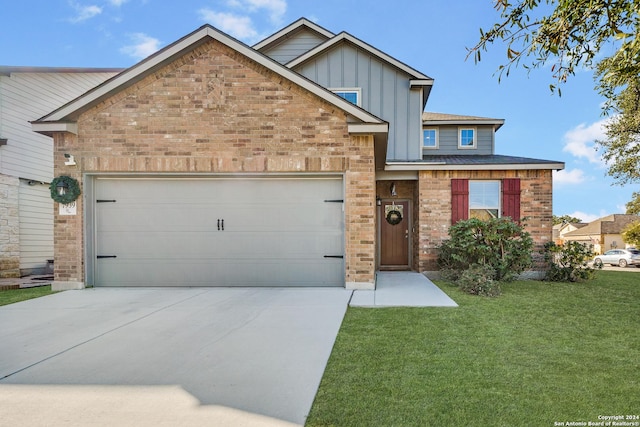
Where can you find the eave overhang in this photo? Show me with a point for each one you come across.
(49, 128)
(69, 113)
(439, 166)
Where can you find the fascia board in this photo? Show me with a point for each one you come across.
(47, 128)
(138, 71)
(420, 82)
(346, 36)
(497, 124)
(303, 22)
(368, 128)
(408, 166)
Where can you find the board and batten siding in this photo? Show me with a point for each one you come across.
(448, 141)
(26, 96)
(385, 93)
(294, 46)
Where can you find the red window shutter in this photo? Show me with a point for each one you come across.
(511, 198)
(459, 200)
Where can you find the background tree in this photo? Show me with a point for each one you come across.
(633, 207)
(571, 34)
(631, 234)
(565, 218)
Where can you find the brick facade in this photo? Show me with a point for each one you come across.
(434, 193)
(215, 111)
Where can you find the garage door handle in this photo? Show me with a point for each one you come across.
(334, 256)
(218, 225)
(106, 256)
(221, 224)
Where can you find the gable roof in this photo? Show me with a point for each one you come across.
(611, 224)
(63, 119)
(433, 119)
(418, 78)
(299, 25)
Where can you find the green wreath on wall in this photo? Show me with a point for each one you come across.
(71, 189)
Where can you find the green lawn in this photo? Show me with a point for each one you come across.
(539, 354)
(17, 295)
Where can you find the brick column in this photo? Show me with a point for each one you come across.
(360, 226)
(68, 267)
(9, 227)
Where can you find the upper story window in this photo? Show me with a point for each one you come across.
(467, 138)
(484, 199)
(352, 95)
(429, 138)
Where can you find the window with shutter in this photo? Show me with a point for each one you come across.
(483, 203)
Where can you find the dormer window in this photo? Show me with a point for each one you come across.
(350, 94)
(467, 138)
(430, 138)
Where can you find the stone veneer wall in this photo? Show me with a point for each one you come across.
(214, 111)
(9, 227)
(434, 188)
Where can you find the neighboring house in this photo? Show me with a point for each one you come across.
(604, 233)
(305, 160)
(26, 160)
(559, 230)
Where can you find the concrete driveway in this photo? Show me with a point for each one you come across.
(195, 356)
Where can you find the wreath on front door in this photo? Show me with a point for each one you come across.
(72, 189)
(394, 217)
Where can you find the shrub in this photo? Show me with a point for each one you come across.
(498, 243)
(478, 280)
(568, 262)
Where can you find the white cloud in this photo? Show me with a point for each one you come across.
(240, 27)
(580, 141)
(275, 8)
(84, 12)
(117, 3)
(574, 176)
(586, 217)
(143, 46)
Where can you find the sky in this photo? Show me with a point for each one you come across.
(431, 36)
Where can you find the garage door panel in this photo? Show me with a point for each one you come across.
(205, 217)
(204, 272)
(273, 245)
(276, 232)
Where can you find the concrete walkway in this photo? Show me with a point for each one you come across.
(402, 289)
(167, 357)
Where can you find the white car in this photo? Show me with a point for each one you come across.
(619, 257)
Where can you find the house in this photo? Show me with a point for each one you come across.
(604, 233)
(559, 230)
(26, 160)
(305, 160)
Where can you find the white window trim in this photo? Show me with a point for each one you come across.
(499, 182)
(475, 138)
(424, 147)
(356, 90)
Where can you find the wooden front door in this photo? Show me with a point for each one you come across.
(394, 234)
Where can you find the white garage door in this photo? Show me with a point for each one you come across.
(219, 232)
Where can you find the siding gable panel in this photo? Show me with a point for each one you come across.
(295, 45)
(385, 93)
